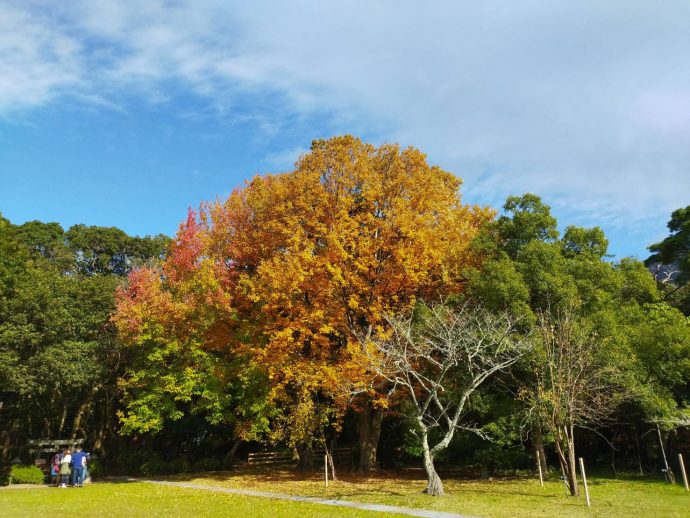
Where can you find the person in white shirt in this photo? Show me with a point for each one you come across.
(64, 468)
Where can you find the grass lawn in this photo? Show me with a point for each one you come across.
(628, 498)
(149, 501)
(625, 497)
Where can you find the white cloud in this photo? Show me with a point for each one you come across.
(37, 61)
(587, 103)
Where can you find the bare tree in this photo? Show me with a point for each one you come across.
(575, 385)
(438, 358)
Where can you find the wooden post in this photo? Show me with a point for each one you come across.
(584, 480)
(682, 470)
(541, 476)
(325, 468)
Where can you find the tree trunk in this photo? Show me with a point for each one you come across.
(613, 452)
(637, 451)
(229, 458)
(539, 447)
(572, 464)
(63, 418)
(331, 464)
(76, 422)
(306, 456)
(567, 462)
(369, 427)
(434, 486)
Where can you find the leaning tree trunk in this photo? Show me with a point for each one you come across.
(566, 458)
(572, 462)
(369, 428)
(539, 448)
(434, 486)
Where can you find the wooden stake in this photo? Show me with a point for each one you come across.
(682, 470)
(584, 480)
(325, 468)
(541, 476)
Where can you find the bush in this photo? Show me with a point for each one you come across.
(180, 466)
(95, 468)
(26, 475)
(155, 466)
(209, 464)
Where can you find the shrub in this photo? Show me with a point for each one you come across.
(180, 466)
(95, 468)
(208, 464)
(155, 466)
(26, 475)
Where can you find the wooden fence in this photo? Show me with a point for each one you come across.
(341, 457)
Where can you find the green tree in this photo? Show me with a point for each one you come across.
(670, 260)
(59, 355)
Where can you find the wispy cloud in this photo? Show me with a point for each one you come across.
(587, 103)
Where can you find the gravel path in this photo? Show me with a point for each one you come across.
(323, 501)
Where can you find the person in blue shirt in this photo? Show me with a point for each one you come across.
(78, 462)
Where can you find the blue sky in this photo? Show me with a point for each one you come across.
(126, 113)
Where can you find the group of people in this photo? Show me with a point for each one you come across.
(67, 463)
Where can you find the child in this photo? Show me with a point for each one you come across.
(55, 469)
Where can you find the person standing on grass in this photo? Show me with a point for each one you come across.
(78, 463)
(64, 468)
(55, 469)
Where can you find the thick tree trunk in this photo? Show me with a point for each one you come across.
(306, 457)
(81, 410)
(369, 427)
(434, 486)
(229, 458)
(7, 439)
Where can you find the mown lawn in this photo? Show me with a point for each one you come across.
(625, 497)
(518, 497)
(150, 501)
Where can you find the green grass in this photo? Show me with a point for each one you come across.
(519, 497)
(151, 501)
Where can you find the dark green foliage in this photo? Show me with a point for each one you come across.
(157, 466)
(671, 260)
(208, 464)
(26, 475)
(643, 340)
(95, 467)
(60, 358)
(676, 247)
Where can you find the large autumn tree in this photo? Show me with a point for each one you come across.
(291, 264)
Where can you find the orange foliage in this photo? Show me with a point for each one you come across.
(291, 263)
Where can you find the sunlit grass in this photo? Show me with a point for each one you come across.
(152, 501)
(625, 497)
